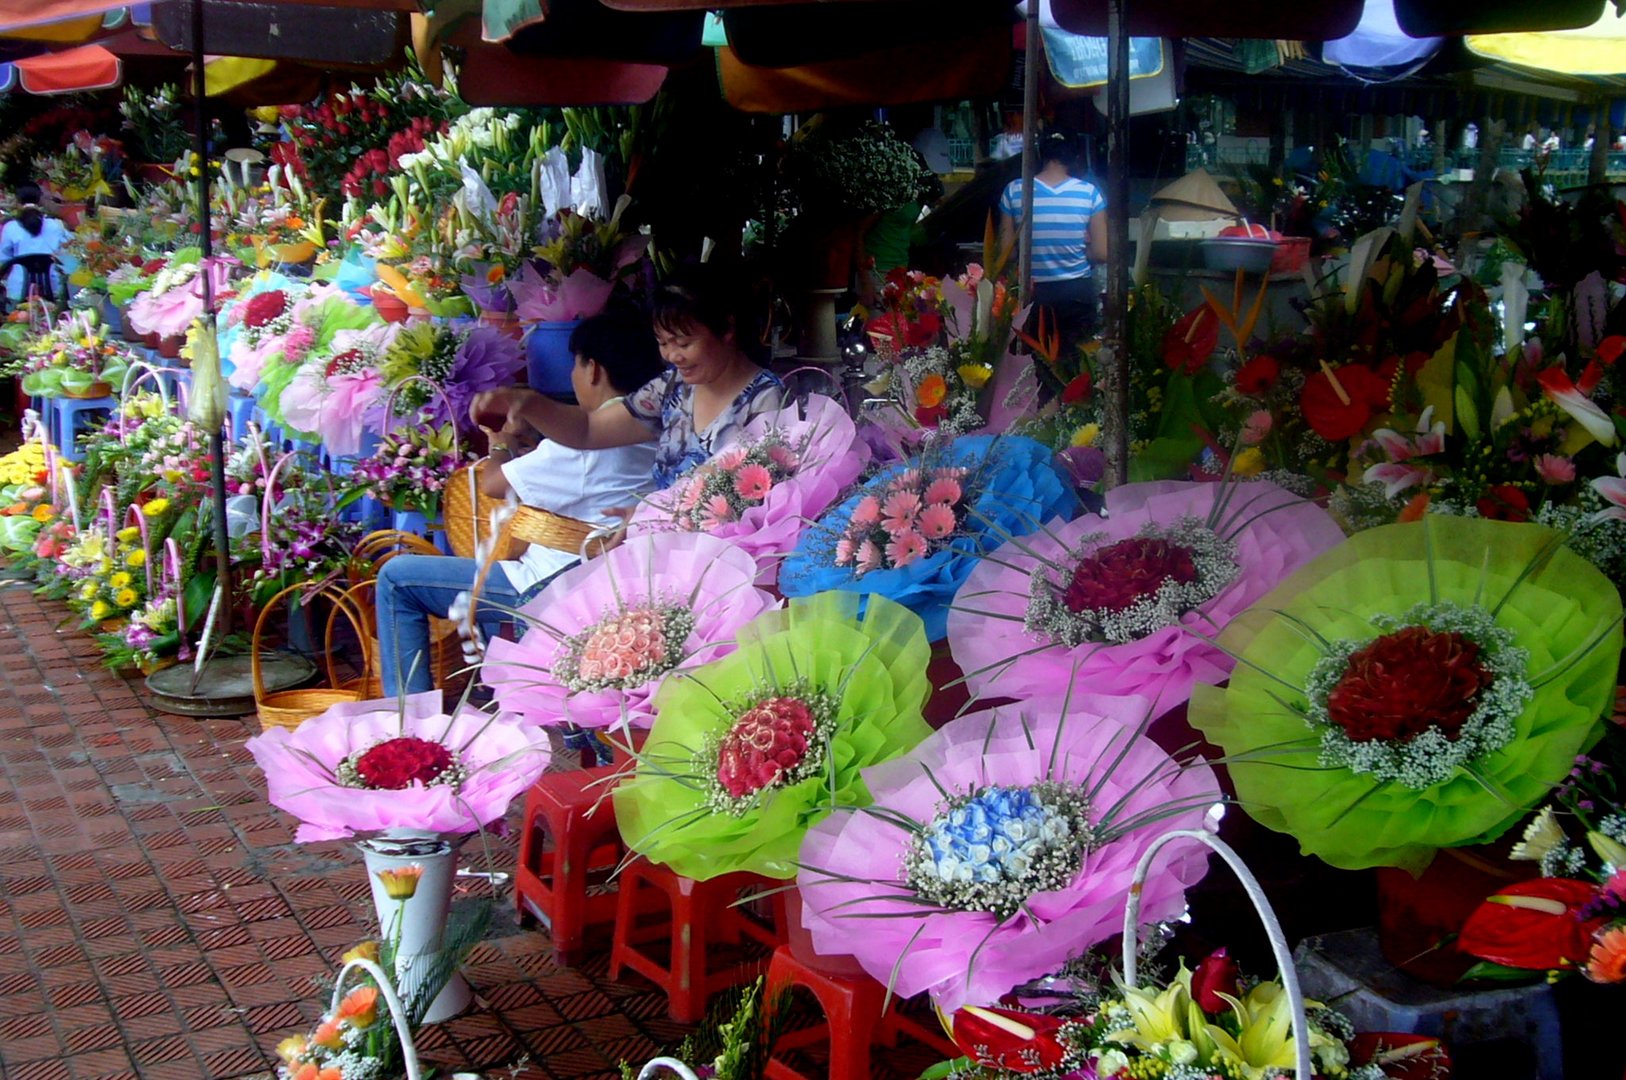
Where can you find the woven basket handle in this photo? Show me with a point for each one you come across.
(137, 373)
(666, 1065)
(1267, 915)
(259, 633)
(268, 503)
(172, 574)
(347, 601)
(409, 1052)
(140, 522)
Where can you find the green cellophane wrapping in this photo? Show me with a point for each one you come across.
(875, 665)
(1565, 614)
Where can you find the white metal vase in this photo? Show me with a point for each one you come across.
(418, 923)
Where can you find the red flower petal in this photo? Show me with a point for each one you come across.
(1331, 416)
(1258, 375)
(1610, 348)
(1077, 390)
(1191, 341)
(1535, 925)
(987, 1042)
(1401, 1056)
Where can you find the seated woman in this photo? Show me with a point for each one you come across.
(697, 407)
(30, 232)
(615, 354)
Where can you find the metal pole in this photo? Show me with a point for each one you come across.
(1115, 344)
(1030, 146)
(217, 441)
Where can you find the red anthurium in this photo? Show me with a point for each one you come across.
(1191, 341)
(1341, 411)
(1077, 390)
(1533, 924)
(1017, 1042)
(1401, 1056)
(1611, 348)
(1217, 974)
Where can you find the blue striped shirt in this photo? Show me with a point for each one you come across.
(1061, 225)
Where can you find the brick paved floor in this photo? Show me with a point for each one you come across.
(157, 921)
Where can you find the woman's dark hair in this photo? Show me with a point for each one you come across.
(1059, 146)
(622, 343)
(30, 217)
(700, 294)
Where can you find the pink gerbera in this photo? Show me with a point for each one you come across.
(944, 490)
(731, 459)
(753, 482)
(937, 521)
(905, 548)
(901, 508)
(784, 457)
(869, 556)
(844, 551)
(867, 512)
(717, 507)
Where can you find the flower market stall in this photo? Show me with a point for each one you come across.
(897, 699)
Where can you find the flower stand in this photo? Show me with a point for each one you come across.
(855, 1018)
(568, 840)
(547, 352)
(416, 924)
(66, 420)
(411, 521)
(703, 913)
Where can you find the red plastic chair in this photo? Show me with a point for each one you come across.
(693, 916)
(568, 839)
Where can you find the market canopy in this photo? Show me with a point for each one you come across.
(1597, 49)
(89, 67)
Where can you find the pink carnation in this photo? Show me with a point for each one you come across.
(867, 512)
(753, 482)
(937, 521)
(944, 489)
(905, 548)
(1554, 469)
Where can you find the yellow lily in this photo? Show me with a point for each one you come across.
(399, 285)
(1158, 1017)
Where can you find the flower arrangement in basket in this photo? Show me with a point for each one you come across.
(1573, 917)
(760, 493)
(74, 358)
(1211, 1023)
(916, 530)
(409, 469)
(422, 358)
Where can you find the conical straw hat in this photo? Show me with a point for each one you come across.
(1194, 197)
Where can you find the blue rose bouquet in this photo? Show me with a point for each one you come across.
(914, 533)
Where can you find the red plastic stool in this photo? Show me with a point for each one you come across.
(701, 914)
(568, 836)
(854, 1020)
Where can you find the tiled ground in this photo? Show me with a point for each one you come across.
(156, 919)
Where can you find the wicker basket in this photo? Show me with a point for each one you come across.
(466, 512)
(290, 708)
(373, 551)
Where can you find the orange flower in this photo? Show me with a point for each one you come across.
(360, 1007)
(292, 1048)
(1607, 964)
(44, 512)
(402, 883)
(1415, 509)
(327, 1035)
(495, 275)
(933, 389)
(295, 221)
(309, 1071)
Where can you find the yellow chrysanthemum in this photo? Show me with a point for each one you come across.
(155, 507)
(1249, 462)
(120, 580)
(130, 533)
(137, 559)
(1086, 435)
(99, 610)
(126, 598)
(89, 589)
